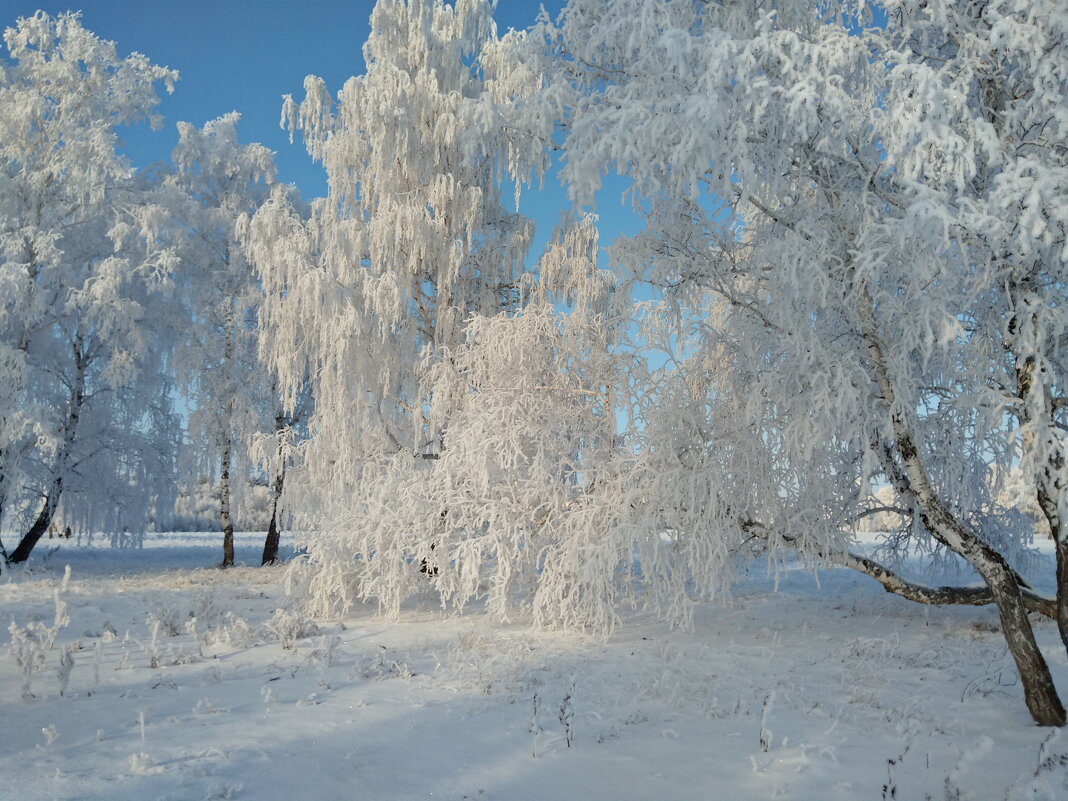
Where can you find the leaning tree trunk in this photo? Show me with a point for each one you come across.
(1040, 694)
(224, 507)
(36, 531)
(70, 431)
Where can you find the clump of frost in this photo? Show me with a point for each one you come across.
(62, 613)
(142, 764)
(51, 734)
(66, 665)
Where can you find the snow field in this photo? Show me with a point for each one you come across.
(180, 688)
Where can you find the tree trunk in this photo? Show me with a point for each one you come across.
(70, 432)
(228, 545)
(1040, 694)
(1048, 490)
(1062, 589)
(270, 545)
(3, 498)
(37, 530)
(224, 507)
(1047, 486)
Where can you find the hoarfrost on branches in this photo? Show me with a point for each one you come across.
(85, 416)
(863, 229)
(218, 184)
(374, 290)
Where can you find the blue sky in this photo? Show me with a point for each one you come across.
(240, 55)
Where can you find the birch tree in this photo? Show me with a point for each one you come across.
(83, 318)
(511, 511)
(863, 230)
(376, 286)
(219, 181)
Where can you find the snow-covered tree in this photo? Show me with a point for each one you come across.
(861, 230)
(512, 508)
(219, 182)
(84, 319)
(376, 286)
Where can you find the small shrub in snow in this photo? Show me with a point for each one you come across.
(50, 734)
(98, 656)
(109, 634)
(288, 626)
(168, 618)
(235, 632)
(567, 716)
(62, 617)
(66, 665)
(224, 791)
(269, 696)
(1040, 785)
(384, 666)
(765, 713)
(153, 645)
(142, 714)
(208, 706)
(328, 651)
(205, 608)
(142, 765)
(28, 649)
(535, 725)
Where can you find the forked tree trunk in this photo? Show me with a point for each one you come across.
(1040, 694)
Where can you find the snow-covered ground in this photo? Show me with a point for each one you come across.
(836, 691)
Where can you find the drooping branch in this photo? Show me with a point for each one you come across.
(894, 583)
(923, 594)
